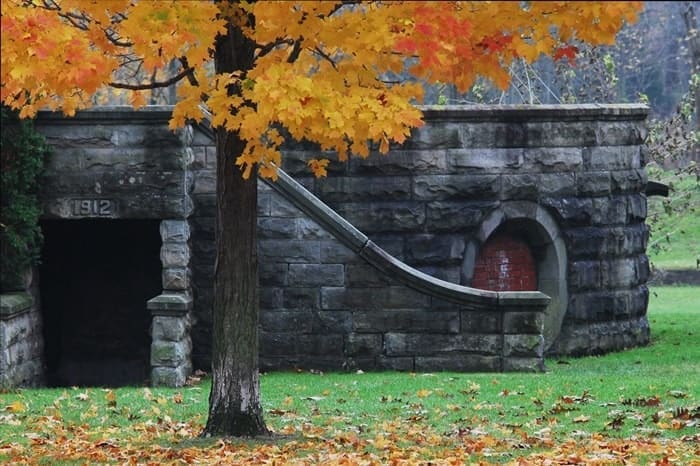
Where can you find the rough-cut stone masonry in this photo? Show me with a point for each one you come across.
(570, 179)
(567, 180)
(21, 342)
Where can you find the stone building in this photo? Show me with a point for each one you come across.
(493, 236)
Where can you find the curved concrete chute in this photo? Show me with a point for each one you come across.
(346, 233)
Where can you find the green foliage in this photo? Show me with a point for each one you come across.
(22, 150)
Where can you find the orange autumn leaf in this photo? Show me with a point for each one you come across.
(318, 69)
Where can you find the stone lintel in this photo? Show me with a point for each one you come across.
(170, 304)
(13, 304)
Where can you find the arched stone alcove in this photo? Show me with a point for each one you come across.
(530, 222)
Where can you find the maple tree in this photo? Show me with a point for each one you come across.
(319, 71)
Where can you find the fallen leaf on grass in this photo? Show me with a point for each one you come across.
(16, 407)
(581, 419)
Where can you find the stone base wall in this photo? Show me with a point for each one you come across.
(570, 179)
(21, 341)
(575, 173)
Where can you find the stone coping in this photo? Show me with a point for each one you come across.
(479, 112)
(358, 242)
(535, 113)
(170, 304)
(13, 304)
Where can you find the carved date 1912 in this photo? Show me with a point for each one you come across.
(92, 207)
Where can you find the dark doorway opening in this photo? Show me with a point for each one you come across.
(95, 279)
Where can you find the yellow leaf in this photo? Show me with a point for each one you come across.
(111, 399)
(16, 407)
(423, 393)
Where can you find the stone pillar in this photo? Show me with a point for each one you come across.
(21, 341)
(171, 346)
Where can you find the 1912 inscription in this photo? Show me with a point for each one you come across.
(92, 207)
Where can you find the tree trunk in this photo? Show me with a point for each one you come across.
(234, 402)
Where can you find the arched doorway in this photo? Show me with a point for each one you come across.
(508, 231)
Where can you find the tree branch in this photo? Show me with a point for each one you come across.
(267, 48)
(296, 50)
(324, 55)
(152, 84)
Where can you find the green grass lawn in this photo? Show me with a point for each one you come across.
(675, 223)
(637, 406)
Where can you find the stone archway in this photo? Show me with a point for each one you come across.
(527, 222)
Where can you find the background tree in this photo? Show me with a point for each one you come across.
(315, 70)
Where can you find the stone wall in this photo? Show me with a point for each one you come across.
(115, 164)
(568, 178)
(21, 341)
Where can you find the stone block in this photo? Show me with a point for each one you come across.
(169, 328)
(349, 189)
(611, 157)
(271, 298)
(523, 323)
(593, 183)
(170, 353)
(204, 181)
(434, 249)
(584, 275)
(531, 346)
(401, 162)
(366, 299)
(609, 210)
(332, 322)
(620, 133)
(628, 181)
(316, 275)
(169, 376)
(485, 159)
(365, 276)
(286, 321)
(169, 304)
(175, 255)
(559, 134)
(357, 345)
(308, 229)
(290, 251)
(277, 228)
(305, 345)
(395, 363)
(548, 159)
(520, 187)
(445, 216)
(458, 363)
(493, 135)
(452, 187)
(301, 298)
(176, 279)
(332, 252)
(402, 344)
(273, 274)
(410, 321)
(282, 208)
(12, 304)
(383, 217)
(573, 211)
(636, 208)
(481, 322)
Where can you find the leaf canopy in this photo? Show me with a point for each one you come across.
(324, 71)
